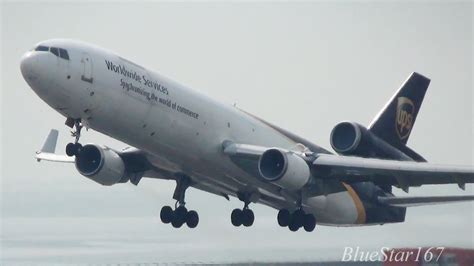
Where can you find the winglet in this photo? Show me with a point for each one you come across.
(47, 151)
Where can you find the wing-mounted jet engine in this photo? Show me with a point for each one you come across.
(284, 168)
(290, 170)
(101, 164)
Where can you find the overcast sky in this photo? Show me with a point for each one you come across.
(302, 66)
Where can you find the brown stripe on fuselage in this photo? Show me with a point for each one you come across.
(361, 215)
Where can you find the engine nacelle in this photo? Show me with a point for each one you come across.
(348, 137)
(284, 168)
(101, 165)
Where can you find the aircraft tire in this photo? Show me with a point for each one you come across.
(176, 222)
(247, 217)
(166, 214)
(297, 218)
(236, 217)
(283, 217)
(70, 149)
(181, 212)
(77, 148)
(192, 219)
(309, 223)
(179, 217)
(293, 226)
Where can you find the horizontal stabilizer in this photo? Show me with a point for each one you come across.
(52, 157)
(422, 201)
(47, 151)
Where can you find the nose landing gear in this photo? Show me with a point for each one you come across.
(73, 149)
(180, 215)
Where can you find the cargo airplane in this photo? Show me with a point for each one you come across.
(176, 133)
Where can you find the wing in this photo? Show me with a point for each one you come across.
(350, 169)
(242, 150)
(399, 173)
(422, 201)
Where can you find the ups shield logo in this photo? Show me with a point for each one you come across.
(404, 118)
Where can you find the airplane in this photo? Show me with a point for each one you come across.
(176, 133)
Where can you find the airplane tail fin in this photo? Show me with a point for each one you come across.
(395, 121)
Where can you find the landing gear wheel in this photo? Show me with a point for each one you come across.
(309, 223)
(284, 217)
(293, 226)
(166, 214)
(192, 219)
(236, 217)
(181, 212)
(177, 223)
(247, 217)
(73, 149)
(180, 215)
(78, 148)
(298, 218)
(70, 149)
(244, 216)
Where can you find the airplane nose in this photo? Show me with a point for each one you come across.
(27, 66)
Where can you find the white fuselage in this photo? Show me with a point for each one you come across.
(180, 129)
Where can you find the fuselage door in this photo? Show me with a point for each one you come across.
(91, 96)
(86, 68)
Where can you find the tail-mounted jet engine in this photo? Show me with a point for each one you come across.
(284, 168)
(349, 138)
(101, 165)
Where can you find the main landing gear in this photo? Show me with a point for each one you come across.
(73, 149)
(180, 215)
(297, 219)
(243, 216)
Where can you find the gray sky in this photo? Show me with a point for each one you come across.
(302, 66)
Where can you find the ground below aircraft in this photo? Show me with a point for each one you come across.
(179, 134)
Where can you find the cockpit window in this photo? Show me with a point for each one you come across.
(54, 50)
(42, 48)
(63, 54)
(60, 52)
